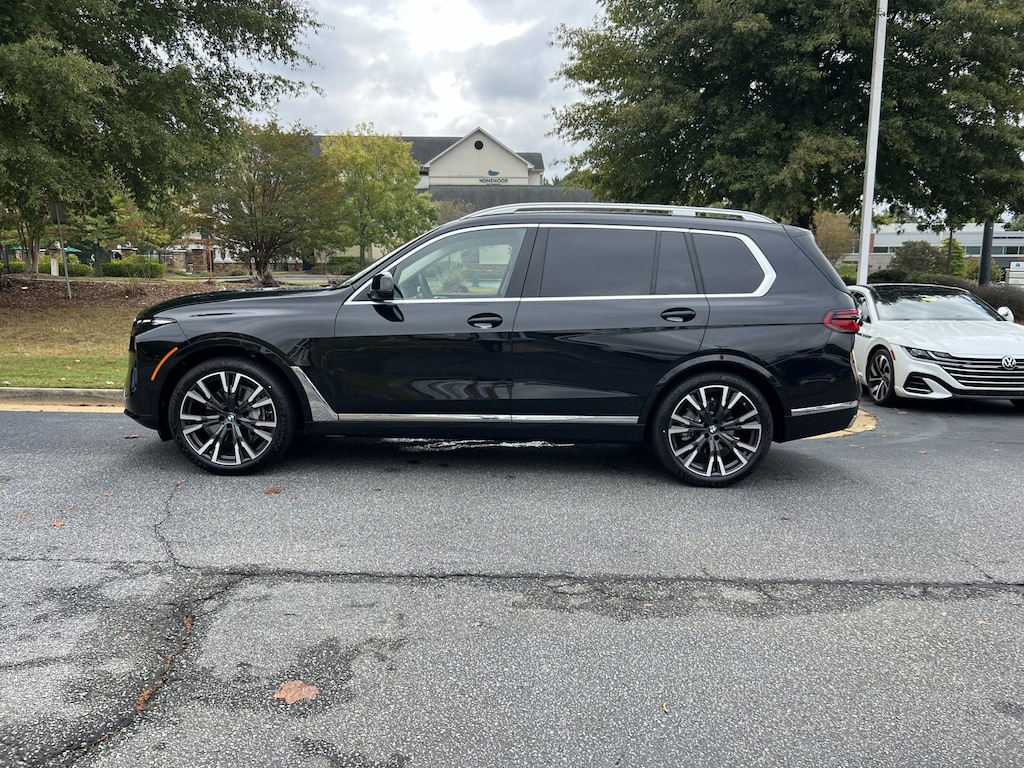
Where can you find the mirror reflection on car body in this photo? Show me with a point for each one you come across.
(708, 333)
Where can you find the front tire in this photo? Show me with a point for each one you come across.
(881, 376)
(712, 430)
(232, 416)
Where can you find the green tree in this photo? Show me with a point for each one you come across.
(141, 94)
(763, 104)
(277, 200)
(952, 258)
(379, 202)
(834, 234)
(916, 257)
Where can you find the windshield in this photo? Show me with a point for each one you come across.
(923, 302)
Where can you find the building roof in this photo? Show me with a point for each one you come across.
(428, 148)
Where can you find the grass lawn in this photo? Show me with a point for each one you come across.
(63, 347)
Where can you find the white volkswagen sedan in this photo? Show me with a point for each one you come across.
(935, 342)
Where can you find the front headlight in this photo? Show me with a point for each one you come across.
(926, 354)
(148, 324)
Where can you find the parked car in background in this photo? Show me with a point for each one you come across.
(935, 342)
(708, 333)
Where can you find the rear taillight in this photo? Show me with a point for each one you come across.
(843, 320)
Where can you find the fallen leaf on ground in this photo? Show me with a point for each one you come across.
(58, 523)
(296, 690)
(273, 490)
(131, 437)
(23, 514)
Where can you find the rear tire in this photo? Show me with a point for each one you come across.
(232, 416)
(712, 430)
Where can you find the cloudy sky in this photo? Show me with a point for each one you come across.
(440, 68)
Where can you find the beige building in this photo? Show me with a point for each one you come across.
(475, 160)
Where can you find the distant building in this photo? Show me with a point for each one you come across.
(479, 171)
(1007, 246)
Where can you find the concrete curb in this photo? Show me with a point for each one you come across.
(63, 396)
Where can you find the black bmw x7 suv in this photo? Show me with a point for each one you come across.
(709, 333)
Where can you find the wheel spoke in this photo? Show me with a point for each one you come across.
(715, 430)
(228, 417)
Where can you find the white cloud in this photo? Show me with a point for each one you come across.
(440, 67)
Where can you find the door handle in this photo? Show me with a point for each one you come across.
(485, 321)
(681, 315)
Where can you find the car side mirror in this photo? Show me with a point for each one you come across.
(382, 287)
(1006, 313)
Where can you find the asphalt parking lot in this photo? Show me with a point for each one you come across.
(857, 602)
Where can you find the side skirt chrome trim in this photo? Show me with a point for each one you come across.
(481, 418)
(825, 408)
(322, 412)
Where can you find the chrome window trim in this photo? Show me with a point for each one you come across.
(770, 275)
(643, 297)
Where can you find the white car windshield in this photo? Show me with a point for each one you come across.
(928, 303)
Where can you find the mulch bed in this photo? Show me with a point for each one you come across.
(19, 291)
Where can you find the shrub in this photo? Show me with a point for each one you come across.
(337, 265)
(848, 272)
(1011, 296)
(133, 266)
(890, 275)
(974, 267)
(17, 267)
(916, 256)
(942, 279)
(75, 269)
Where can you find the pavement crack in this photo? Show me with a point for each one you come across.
(142, 702)
(988, 576)
(158, 533)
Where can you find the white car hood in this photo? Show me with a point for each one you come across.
(963, 338)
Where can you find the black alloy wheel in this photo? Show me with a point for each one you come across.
(232, 416)
(881, 378)
(712, 430)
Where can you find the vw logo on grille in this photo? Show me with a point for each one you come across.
(1009, 363)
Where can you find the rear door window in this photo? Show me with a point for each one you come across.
(596, 261)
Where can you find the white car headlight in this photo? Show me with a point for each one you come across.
(925, 354)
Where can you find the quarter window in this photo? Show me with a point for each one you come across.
(598, 262)
(726, 264)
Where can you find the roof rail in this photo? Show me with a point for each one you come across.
(641, 208)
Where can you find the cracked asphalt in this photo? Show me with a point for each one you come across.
(858, 602)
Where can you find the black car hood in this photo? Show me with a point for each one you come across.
(199, 299)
